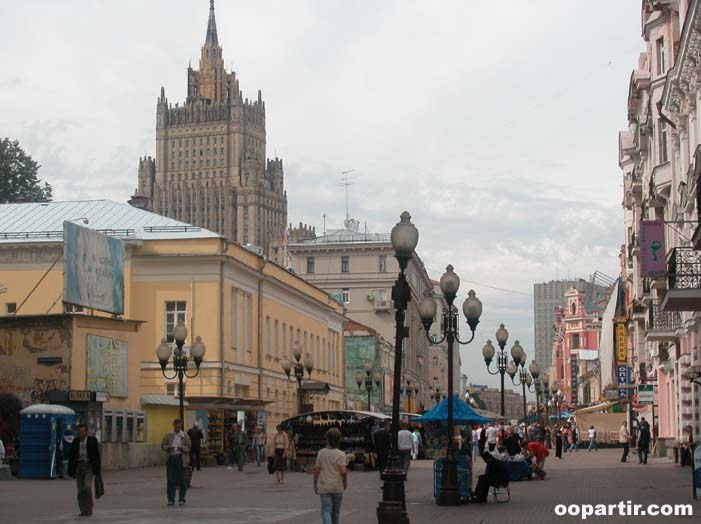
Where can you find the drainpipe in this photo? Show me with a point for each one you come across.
(221, 327)
(260, 338)
(663, 116)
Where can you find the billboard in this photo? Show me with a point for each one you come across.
(652, 250)
(93, 275)
(107, 366)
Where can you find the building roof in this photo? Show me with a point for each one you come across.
(161, 400)
(351, 327)
(211, 39)
(345, 236)
(43, 222)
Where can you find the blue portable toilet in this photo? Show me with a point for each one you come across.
(41, 429)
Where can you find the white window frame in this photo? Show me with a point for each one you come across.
(177, 315)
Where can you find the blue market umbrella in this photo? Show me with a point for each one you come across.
(462, 413)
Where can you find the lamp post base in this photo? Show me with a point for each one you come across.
(449, 494)
(392, 508)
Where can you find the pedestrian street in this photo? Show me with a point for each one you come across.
(219, 495)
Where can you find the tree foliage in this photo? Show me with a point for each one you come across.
(18, 175)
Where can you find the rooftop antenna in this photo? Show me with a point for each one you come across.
(347, 180)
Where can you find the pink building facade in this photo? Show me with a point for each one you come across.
(576, 351)
(660, 159)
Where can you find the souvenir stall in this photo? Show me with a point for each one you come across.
(436, 430)
(357, 427)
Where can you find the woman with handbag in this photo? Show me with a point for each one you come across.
(280, 444)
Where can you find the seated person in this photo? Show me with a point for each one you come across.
(495, 474)
(536, 451)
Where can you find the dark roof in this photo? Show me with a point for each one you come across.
(212, 39)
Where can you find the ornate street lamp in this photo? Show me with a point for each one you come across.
(524, 379)
(534, 370)
(180, 360)
(297, 367)
(368, 380)
(488, 351)
(409, 391)
(392, 508)
(472, 309)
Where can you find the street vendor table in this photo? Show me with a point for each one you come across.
(518, 470)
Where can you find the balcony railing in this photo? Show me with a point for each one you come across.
(659, 320)
(684, 269)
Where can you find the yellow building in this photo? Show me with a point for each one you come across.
(247, 310)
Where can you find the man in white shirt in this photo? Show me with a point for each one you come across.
(476, 431)
(406, 440)
(624, 438)
(492, 437)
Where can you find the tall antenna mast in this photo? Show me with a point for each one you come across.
(347, 180)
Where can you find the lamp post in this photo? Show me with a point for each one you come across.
(524, 378)
(392, 508)
(556, 400)
(472, 309)
(534, 370)
(298, 366)
(409, 391)
(180, 360)
(488, 351)
(368, 380)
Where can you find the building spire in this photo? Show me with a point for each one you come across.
(211, 40)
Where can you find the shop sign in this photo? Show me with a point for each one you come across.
(79, 396)
(261, 418)
(49, 361)
(102, 396)
(574, 378)
(621, 343)
(652, 250)
(646, 394)
(622, 378)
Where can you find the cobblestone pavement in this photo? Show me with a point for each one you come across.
(225, 496)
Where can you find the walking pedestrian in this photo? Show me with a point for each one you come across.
(492, 437)
(558, 442)
(476, 434)
(195, 434)
(592, 438)
(406, 440)
(624, 438)
(66, 443)
(415, 444)
(258, 444)
(175, 443)
(83, 464)
(280, 444)
(382, 441)
(572, 439)
(643, 441)
(330, 477)
(547, 435)
(482, 441)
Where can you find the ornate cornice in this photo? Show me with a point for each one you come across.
(684, 79)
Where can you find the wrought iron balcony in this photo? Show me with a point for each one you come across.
(684, 280)
(684, 269)
(662, 325)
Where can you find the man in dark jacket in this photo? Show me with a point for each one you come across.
(84, 462)
(382, 444)
(195, 434)
(643, 440)
(495, 474)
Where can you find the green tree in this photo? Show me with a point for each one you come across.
(480, 403)
(18, 175)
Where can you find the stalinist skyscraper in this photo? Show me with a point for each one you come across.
(210, 168)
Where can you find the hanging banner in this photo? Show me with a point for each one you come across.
(574, 379)
(652, 250)
(622, 375)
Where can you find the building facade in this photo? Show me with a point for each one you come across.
(210, 167)
(575, 350)
(362, 345)
(248, 311)
(360, 270)
(549, 295)
(660, 159)
(491, 397)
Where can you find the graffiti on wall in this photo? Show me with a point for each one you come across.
(21, 344)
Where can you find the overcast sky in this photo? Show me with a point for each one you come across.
(494, 123)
